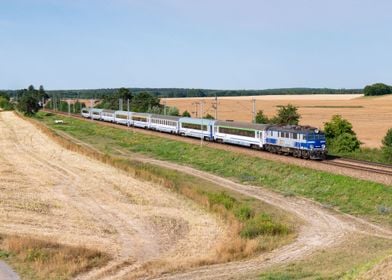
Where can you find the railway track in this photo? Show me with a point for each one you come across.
(367, 166)
(358, 165)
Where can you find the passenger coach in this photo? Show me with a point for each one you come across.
(240, 133)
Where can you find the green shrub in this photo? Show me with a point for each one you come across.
(340, 136)
(387, 146)
(345, 143)
(221, 198)
(262, 224)
(243, 212)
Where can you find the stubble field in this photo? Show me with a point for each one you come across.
(371, 116)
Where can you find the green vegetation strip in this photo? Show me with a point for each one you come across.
(353, 196)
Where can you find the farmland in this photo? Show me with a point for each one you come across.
(371, 116)
(154, 192)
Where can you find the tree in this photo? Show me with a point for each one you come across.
(340, 135)
(42, 95)
(144, 101)
(112, 101)
(186, 114)
(377, 89)
(4, 95)
(28, 103)
(209, 117)
(5, 104)
(173, 111)
(287, 115)
(261, 118)
(155, 110)
(387, 145)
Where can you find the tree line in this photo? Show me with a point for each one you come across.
(377, 89)
(192, 92)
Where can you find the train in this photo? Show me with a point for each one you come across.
(296, 140)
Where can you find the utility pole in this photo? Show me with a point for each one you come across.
(91, 108)
(69, 107)
(164, 107)
(215, 106)
(202, 131)
(128, 112)
(120, 104)
(254, 110)
(195, 112)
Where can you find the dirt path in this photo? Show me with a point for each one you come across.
(6, 273)
(322, 228)
(52, 193)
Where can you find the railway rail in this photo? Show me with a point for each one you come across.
(351, 164)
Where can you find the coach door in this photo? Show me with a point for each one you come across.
(260, 137)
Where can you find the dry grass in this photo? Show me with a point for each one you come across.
(41, 259)
(233, 247)
(348, 261)
(370, 116)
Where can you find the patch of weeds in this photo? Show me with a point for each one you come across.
(243, 212)
(262, 224)
(4, 254)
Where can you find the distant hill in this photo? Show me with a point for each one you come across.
(190, 92)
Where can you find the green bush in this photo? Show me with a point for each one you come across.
(243, 212)
(345, 143)
(340, 136)
(387, 146)
(221, 198)
(5, 104)
(262, 224)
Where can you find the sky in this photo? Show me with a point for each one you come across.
(216, 44)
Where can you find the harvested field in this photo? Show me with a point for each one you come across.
(50, 193)
(370, 116)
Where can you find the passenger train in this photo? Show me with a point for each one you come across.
(299, 141)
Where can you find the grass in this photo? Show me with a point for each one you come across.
(349, 195)
(368, 154)
(37, 259)
(347, 261)
(240, 213)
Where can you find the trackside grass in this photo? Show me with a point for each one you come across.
(349, 195)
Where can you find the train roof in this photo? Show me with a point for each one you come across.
(165, 117)
(256, 126)
(96, 109)
(197, 121)
(108, 111)
(122, 112)
(141, 114)
(295, 128)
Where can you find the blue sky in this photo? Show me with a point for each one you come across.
(220, 44)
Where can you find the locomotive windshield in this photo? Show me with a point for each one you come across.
(315, 136)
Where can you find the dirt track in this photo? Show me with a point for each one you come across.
(6, 273)
(49, 191)
(52, 193)
(322, 229)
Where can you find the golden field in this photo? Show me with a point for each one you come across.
(371, 116)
